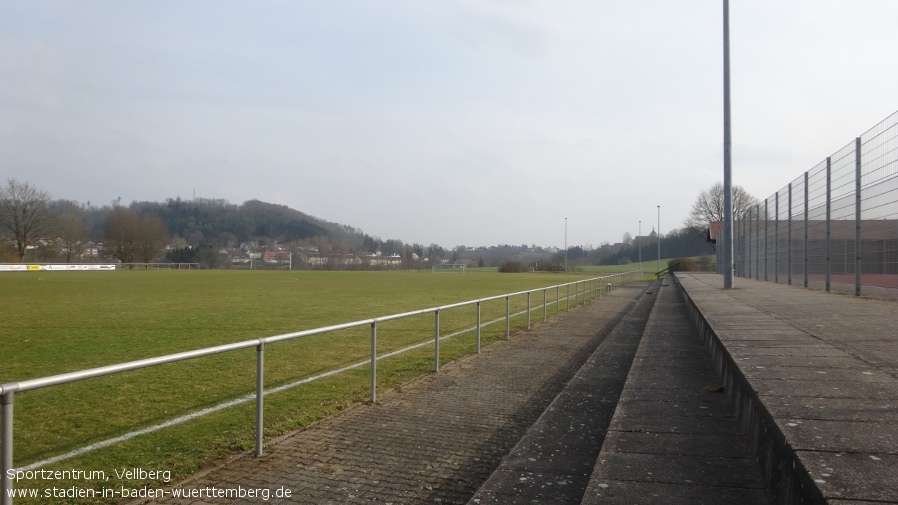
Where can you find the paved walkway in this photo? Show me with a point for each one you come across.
(814, 379)
(435, 440)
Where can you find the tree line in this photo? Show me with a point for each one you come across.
(196, 231)
(33, 224)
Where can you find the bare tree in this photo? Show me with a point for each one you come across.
(24, 214)
(121, 230)
(134, 237)
(72, 233)
(708, 207)
(153, 237)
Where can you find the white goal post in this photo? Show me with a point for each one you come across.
(448, 269)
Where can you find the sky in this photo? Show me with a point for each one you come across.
(449, 122)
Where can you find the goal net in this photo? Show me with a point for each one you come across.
(448, 269)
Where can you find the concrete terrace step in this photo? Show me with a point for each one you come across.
(554, 459)
(673, 439)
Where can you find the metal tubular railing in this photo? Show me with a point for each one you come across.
(10, 389)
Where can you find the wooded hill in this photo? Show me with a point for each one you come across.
(218, 224)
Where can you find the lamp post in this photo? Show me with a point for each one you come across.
(727, 249)
(659, 239)
(565, 244)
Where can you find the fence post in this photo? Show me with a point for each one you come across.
(374, 361)
(436, 341)
(746, 255)
(857, 216)
(557, 294)
(567, 298)
(766, 237)
(789, 269)
(260, 395)
(6, 401)
(805, 229)
(747, 247)
(828, 267)
(758, 244)
(776, 239)
(544, 305)
(735, 246)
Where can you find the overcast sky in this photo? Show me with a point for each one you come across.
(449, 122)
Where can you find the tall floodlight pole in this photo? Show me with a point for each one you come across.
(659, 239)
(565, 244)
(727, 250)
(640, 245)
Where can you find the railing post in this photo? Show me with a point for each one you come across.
(557, 299)
(260, 393)
(528, 310)
(507, 318)
(436, 341)
(374, 361)
(478, 326)
(545, 298)
(567, 298)
(6, 401)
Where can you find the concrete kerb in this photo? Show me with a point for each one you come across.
(787, 480)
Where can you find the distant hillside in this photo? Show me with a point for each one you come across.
(223, 223)
(217, 221)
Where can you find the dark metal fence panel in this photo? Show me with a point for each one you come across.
(835, 227)
(817, 226)
(879, 208)
(783, 221)
(797, 226)
(842, 219)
